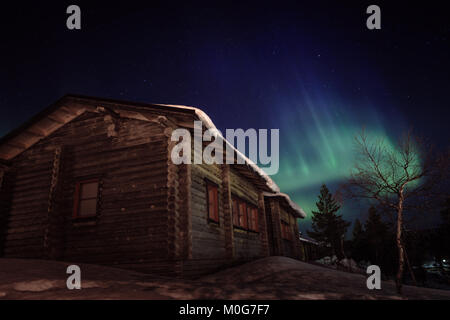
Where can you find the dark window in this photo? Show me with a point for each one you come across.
(245, 214)
(242, 214)
(254, 214)
(249, 218)
(235, 212)
(85, 199)
(286, 231)
(213, 204)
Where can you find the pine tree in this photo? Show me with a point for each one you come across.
(357, 230)
(376, 231)
(359, 242)
(442, 245)
(328, 227)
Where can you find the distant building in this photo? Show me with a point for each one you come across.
(91, 180)
(310, 248)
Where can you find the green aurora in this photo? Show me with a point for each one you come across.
(317, 145)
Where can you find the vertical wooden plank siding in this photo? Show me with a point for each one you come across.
(265, 252)
(184, 173)
(297, 243)
(276, 226)
(48, 250)
(173, 211)
(227, 211)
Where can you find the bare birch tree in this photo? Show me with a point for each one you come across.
(399, 177)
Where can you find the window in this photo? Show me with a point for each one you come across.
(286, 231)
(235, 212)
(254, 215)
(249, 217)
(213, 204)
(245, 215)
(242, 214)
(85, 199)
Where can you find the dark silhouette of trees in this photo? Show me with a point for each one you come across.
(327, 226)
(372, 242)
(398, 178)
(358, 243)
(376, 233)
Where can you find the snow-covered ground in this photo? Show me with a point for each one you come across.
(268, 278)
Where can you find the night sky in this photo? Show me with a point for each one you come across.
(310, 68)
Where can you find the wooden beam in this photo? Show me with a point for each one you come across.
(54, 119)
(35, 133)
(68, 111)
(16, 146)
(265, 252)
(227, 209)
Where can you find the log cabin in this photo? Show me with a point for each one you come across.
(91, 180)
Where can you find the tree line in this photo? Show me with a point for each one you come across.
(397, 181)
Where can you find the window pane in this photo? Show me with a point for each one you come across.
(249, 218)
(242, 215)
(235, 212)
(255, 219)
(89, 190)
(213, 210)
(87, 207)
(216, 204)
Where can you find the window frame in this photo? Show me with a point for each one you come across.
(250, 216)
(243, 219)
(255, 217)
(235, 210)
(286, 232)
(77, 198)
(211, 184)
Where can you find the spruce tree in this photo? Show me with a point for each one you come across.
(376, 233)
(327, 226)
(357, 230)
(359, 242)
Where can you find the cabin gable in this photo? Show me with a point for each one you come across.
(130, 163)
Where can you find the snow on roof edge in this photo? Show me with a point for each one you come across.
(269, 182)
(294, 206)
(210, 125)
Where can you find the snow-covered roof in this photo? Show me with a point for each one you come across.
(291, 203)
(206, 120)
(304, 239)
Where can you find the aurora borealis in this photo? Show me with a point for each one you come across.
(318, 144)
(312, 70)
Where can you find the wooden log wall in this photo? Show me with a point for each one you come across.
(132, 225)
(276, 226)
(265, 252)
(130, 159)
(6, 179)
(247, 244)
(208, 238)
(269, 226)
(298, 250)
(27, 214)
(151, 215)
(292, 246)
(54, 222)
(227, 212)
